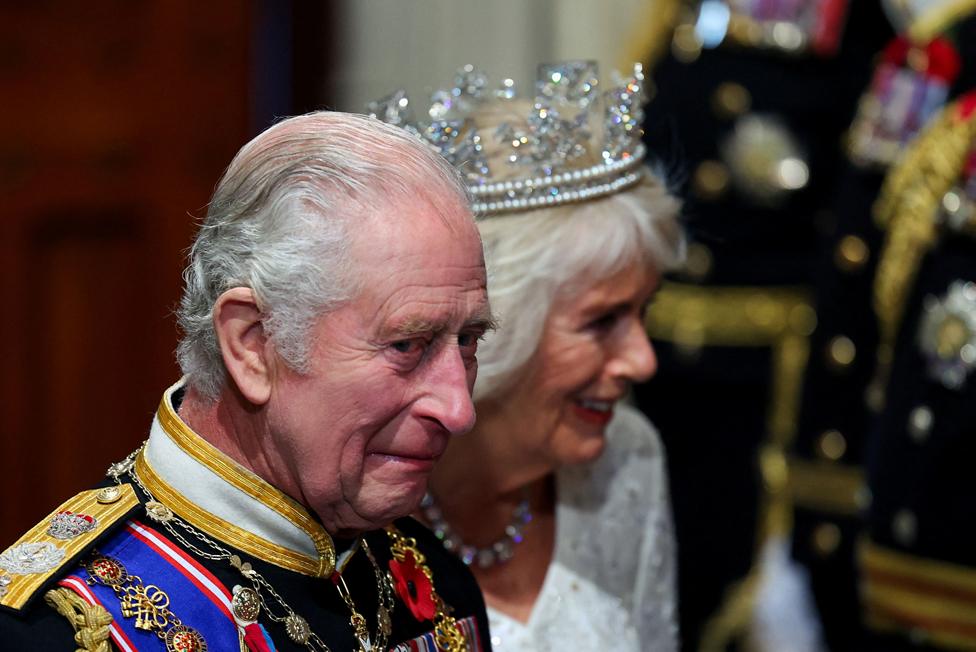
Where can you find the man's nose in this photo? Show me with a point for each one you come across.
(448, 399)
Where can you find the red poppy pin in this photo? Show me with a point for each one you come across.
(413, 586)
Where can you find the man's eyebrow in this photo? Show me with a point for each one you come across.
(415, 326)
(483, 321)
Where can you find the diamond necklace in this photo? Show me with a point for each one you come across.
(500, 551)
(296, 626)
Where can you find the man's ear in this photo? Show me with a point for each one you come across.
(243, 343)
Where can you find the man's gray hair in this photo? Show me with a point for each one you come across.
(279, 223)
(536, 258)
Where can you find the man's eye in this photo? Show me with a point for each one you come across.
(467, 340)
(603, 322)
(407, 354)
(406, 346)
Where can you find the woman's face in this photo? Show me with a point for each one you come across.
(594, 345)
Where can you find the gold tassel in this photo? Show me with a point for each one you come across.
(732, 621)
(90, 622)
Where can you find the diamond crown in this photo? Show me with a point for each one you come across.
(571, 142)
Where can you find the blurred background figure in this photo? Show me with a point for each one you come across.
(753, 100)
(814, 383)
(787, 117)
(868, 270)
(917, 558)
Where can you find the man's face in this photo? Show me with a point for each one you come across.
(391, 370)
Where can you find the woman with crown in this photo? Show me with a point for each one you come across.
(558, 498)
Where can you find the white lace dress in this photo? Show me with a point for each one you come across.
(611, 584)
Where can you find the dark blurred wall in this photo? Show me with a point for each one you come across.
(116, 121)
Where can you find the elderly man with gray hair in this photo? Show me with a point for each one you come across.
(334, 300)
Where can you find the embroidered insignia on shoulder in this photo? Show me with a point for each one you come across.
(928, 177)
(56, 541)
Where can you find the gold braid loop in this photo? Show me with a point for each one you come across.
(907, 207)
(89, 621)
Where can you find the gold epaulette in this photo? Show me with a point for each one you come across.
(58, 540)
(907, 208)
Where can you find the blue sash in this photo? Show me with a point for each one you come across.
(196, 597)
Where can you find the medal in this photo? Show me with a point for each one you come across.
(909, 86)
(947, 335)
(791, 26)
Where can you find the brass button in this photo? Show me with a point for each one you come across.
(863, 498)
(711, 180)
(840, 352)
(851, 254)
(952, 202)
(958, 211)
(920, 422)
(730, 100)
(698, 261)
(905, 527)
(749, 32)
(787, 36)
(874, 396)
(792, 173)
(826, 539)
(831, 445)
(803, 319)
(108, 495)
(685, 45)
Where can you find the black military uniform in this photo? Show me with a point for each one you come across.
(224, 562)
(844, 388)
(918, 560)
(755, 114)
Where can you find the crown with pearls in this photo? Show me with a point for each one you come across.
(572, 142)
